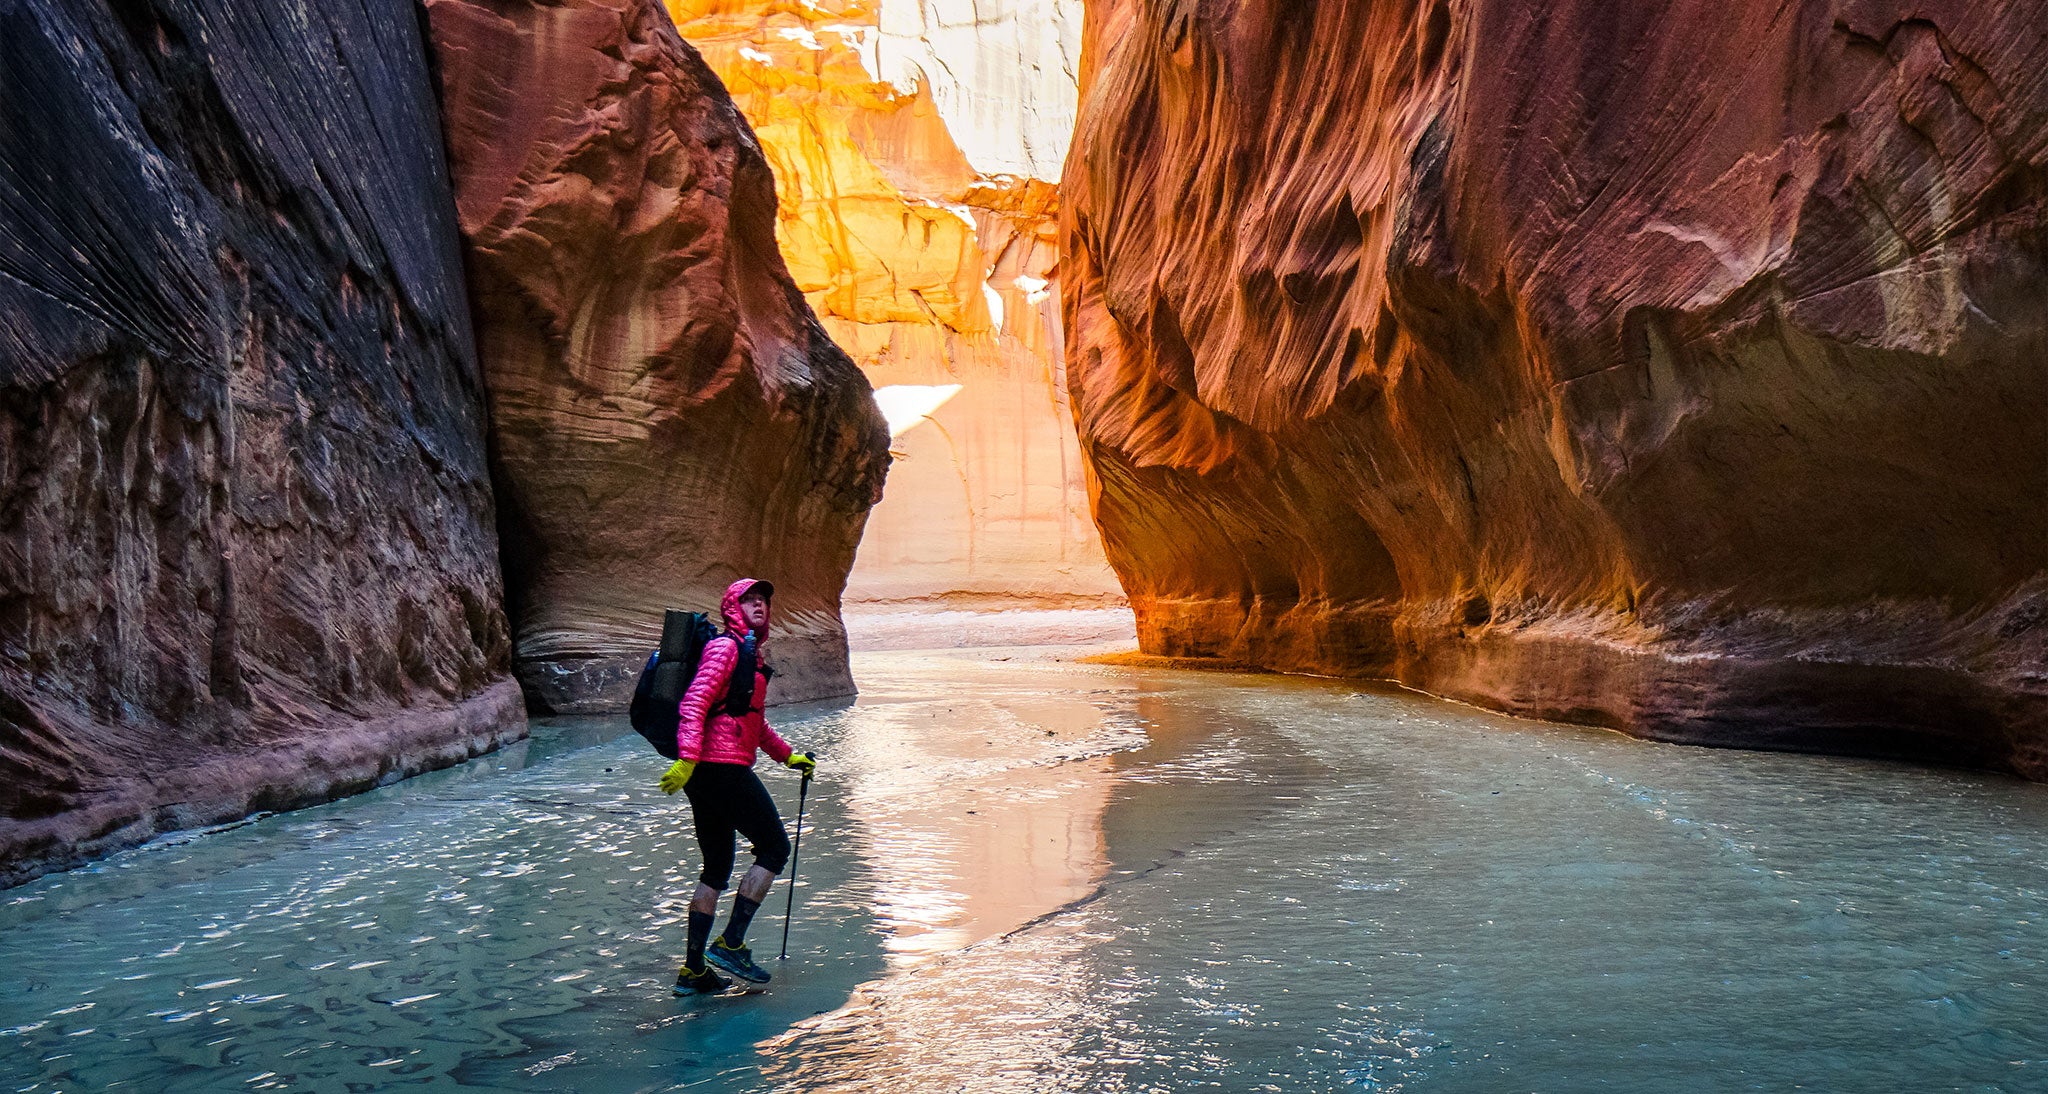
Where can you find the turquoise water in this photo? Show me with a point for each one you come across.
(1031, 874)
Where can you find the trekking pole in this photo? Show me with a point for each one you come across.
(802, 792)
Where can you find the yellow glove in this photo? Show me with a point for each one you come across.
(803, 762)
(673, 779)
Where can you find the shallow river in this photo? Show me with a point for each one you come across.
(1030, 874)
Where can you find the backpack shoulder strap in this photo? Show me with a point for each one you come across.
(739, 688)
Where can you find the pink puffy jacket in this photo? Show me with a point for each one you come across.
(725, 738)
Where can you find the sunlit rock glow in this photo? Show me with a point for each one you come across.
(905, 405)
(667, 413)
(1003, 75)
(914, 147)
(1678, 369)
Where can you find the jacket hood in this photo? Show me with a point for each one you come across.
(735, 623)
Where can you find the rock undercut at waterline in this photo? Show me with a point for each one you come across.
(247, 557)
(666, 413)
(1678, 370)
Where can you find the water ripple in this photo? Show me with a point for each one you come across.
(1040, 875)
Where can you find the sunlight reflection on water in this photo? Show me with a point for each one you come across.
(1037, 874)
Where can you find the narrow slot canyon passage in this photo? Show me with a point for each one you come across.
(917, 148)
(1070, 834)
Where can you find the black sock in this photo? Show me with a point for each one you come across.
(700, 933)
(742, 916)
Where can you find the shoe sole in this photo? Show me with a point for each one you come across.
(737, 972)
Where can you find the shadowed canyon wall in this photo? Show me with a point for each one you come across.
(246, 548)
(915, 143)
(667, 415)
(1676, 368)
(249, 547)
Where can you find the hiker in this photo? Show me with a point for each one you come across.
(722, 725)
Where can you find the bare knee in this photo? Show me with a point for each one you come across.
(755, 885)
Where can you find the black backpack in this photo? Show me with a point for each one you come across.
(658, 697)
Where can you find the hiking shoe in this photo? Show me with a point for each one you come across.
(704, 981)
(737, 960)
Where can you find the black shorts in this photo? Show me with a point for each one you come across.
(729, 798)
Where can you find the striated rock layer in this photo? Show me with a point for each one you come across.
(905, 135)
(667, 414)
(1681, 369)
(246, 548)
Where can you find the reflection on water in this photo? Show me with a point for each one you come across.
(978, 813)
(1034, 874)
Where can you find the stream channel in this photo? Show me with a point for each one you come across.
(1022, 872)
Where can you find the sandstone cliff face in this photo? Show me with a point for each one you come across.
(1678, 368)
(666, 413)
(914, 142)
(246, 547)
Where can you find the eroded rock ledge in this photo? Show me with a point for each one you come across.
(1677, 369)
(666, 413)
(246, 548)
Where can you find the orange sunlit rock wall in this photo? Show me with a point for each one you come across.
(1676, 368)
(930, 269)
(667, 414)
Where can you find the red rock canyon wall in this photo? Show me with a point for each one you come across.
(666, 413)
(246, 548)
(1678, 368)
